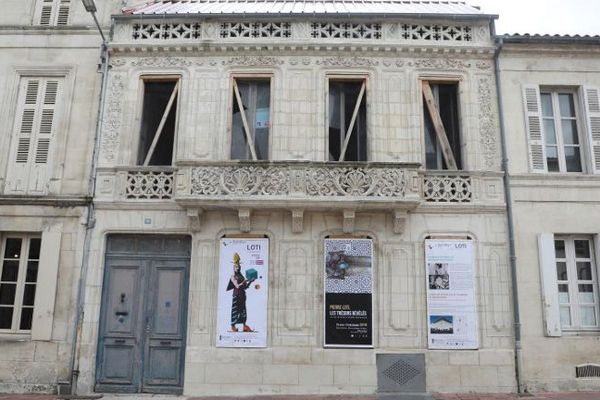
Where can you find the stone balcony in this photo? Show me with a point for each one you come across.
(299, 186)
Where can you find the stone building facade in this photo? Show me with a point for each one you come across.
(294, 122)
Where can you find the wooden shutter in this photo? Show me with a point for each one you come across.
(591, 101)
(34, 134)
(533, 124)
(45, 295)
(53, 12)
(549, 285)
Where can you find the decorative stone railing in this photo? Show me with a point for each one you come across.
(332, 185)
(462, 187)
(136, 183)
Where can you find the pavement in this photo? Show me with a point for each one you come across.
(435, 396)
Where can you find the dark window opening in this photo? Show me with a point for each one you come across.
(250, 128)
(445, 97)
(157, 133)
(347, 117)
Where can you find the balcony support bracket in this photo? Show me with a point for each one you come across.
(349, 218)
(245, 222)
(195, 218)
(297, 220)
(400, 217)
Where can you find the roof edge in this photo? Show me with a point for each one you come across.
(548, 39)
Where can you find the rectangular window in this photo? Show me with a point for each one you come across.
(561, 133)
(347, 120)
(250, 119)
(159, 118)
(441, 122)
(52, 12)
(18, 279)
(577, 282)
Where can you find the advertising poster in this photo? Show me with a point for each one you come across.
(243, 293)
(348, 293)
(451, 311)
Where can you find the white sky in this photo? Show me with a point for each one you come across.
(544, 16)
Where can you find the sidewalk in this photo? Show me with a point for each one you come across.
(436, 396)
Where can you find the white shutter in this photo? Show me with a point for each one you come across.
(45, 295)
(592, 112)
(45, 12)
(62, 16)
(53, 12)
(549, 285)
(34, 133)
(533, 124)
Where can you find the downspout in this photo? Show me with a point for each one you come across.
(90, 221)
(510, 217)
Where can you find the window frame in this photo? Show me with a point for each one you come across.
(458, 81)
(583, 146)
(356, 77)
(573, 282)
(21, 279)
(154, 77)
(256, 76)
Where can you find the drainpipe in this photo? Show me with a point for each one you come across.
(510, 217)
(90, 221)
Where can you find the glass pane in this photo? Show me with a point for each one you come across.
(29, 295)
(584, 270)
(567, 107)
(561, 271)
(582, 248)
(26, 317)
(586, 298)
(262, 119)
(563, 297)
(32, 270)
(13, 248)
(559, 248)
(10, 271)
(549, 131)
(7, 293)
(569, 131)
(565, 316)
(588, 316)
(552, 159)
(6, 314)
(34, 249)
(573, 159)
(547, 105)
(586, 288)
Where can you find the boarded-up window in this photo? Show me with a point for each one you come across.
(52, 12)
(442, 131)
(159, 118)
(251, 119)
(347, 120)
(34, 135)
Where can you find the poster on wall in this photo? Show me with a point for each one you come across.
(451, 310)
(348, 293)
(243, 293)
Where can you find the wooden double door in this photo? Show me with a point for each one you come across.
(141, 345)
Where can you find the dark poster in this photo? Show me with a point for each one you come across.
(348, 293)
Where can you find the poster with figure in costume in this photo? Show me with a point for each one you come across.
(243, 293)
(451, 309)
(348, 293)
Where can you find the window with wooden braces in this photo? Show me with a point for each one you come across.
(250, 119)
(52, 12)
(159, 120)
(442, 131)
(347, 120)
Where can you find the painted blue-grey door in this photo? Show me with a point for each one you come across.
(141, 344)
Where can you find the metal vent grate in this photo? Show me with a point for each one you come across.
(587, 371)
(401, 373)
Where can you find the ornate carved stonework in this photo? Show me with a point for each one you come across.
(441, 63)
(347, 62)
(309, 181)
(112, 117)
(253, 60)
(487, 122)
(447, 189)
(297, 61)
(162, 62)
(117, 62)
(484, 65)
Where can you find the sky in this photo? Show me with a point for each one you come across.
(544, 16)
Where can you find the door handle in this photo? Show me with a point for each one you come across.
(121, 313)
